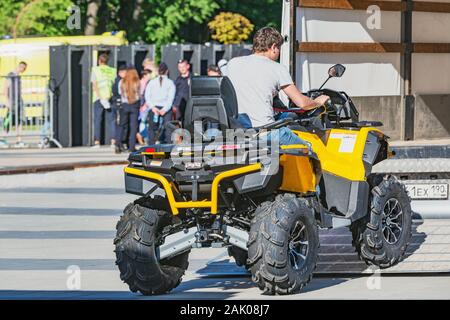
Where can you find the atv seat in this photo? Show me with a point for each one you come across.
(212, 104)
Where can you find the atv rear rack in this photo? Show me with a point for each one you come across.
(175, 205)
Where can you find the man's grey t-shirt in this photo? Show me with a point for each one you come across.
(257, 80)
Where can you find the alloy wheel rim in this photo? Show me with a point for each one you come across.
(298, 246)
(392, 221)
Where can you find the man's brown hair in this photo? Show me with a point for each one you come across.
(103, 58)
(265, 38)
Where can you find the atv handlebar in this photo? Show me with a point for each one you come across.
(277, 124)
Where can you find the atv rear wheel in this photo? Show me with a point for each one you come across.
(137, 235)
(381, 238)
(283, 245)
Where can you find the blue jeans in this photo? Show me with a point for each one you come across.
(129, 114)
(99, 113)
(284, 135)
(114, 123)
(165, 134)
(244, 120)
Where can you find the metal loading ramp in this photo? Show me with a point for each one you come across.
(428, 251)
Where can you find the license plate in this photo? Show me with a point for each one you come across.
(427, 191)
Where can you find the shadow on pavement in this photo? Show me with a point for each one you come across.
(227, 268)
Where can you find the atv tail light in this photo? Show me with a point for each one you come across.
(149, 150)
(228, 147)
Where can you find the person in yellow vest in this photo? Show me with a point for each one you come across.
(102, 78)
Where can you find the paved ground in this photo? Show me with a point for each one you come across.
(51, 221)
(21, 158)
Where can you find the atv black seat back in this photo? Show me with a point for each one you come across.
(212, 103)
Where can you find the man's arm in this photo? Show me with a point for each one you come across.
(170, 98)
(301, 100)
(95, 87)
(94, 83)
(178, 95)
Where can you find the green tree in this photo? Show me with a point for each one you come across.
(45, 17)
(170, 16)
(152, 21)
(8, 12)
(34, 17)
(260, 12)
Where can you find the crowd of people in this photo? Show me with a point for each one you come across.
(141, 108)
(145, 108)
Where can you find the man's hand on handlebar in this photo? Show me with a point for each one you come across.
(321, 100)
(303, 101)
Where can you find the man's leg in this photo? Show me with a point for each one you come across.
(111, 117)
(180, 111)
(123, 122)
(244, 120)
(133, 116)
(167, 128)
(286, 137)
(152, 127)
(98, 113)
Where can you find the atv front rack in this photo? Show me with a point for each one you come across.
(175, 205)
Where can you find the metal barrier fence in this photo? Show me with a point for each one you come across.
(26, 111)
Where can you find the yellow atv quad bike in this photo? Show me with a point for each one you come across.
(263, 201)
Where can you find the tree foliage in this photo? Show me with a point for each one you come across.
(170, 16)
(230, 28)
(34, 17)
(152, 21)
(261, 13)
(47, 17)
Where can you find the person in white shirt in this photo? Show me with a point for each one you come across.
(258, 78)
(159, 97)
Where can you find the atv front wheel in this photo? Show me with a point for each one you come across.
(283, 245)
(137, 235)
(381, 238)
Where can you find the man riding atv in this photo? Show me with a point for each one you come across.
(265, 203)
(258, 78)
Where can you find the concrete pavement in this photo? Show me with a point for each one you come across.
(17, 161)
